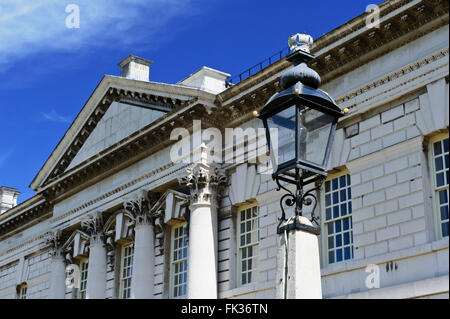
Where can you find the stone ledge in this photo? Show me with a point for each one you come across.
(353, 265)
(421, 288)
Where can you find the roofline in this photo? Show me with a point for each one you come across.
(226, 75)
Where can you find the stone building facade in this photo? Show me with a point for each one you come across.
(112, 205)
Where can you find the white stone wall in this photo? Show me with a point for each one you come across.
(34, 270)
(38, 278)
(8, 281)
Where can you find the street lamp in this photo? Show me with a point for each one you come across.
(300, 122)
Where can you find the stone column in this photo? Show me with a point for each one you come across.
(300, 267)
(203, 182)
(96, 280)
(143, 260)
(57, 267)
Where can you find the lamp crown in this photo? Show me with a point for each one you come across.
(300, 41)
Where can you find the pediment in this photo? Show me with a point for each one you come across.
(118, 122)
(117, 107)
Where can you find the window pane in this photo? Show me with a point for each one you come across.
(337, 226)
(437, 148)
(331, 242)
(339, 255)
(331, 257)
(336, 211)
(444, 212)
(342, 181)
(343, 209)
(439, 163)
(347, 253)
(445, 229)
(443, 197)
(338, 240)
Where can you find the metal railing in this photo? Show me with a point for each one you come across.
(257, 67)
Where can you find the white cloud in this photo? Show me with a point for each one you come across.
(38, 26)
(55, 117)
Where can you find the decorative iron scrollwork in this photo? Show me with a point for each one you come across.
(299, 199)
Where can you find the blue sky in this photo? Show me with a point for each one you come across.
(47, 71)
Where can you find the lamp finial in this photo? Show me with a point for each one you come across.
(300, 41)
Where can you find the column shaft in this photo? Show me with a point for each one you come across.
(96, 281)
(143, 263)
(58, 278)
(202, 252)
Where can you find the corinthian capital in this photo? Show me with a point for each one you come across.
(204, 182)
(54, 240)
(93, 226)
(139, 206)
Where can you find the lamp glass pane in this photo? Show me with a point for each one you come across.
(282, 135)
(315, 135)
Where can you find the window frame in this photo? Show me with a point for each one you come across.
(172, 262)
(324, 233)
(123, 278)
(84, 262)
(434, 189)
(22, 291)
(254, 271)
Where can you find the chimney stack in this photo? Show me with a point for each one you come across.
(135, 68)
(8, 198)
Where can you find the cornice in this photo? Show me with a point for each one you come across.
(351, 101)
(401, 22)
(40, 239)
(24, 216)
(164, 171)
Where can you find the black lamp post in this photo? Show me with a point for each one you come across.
(300, 122)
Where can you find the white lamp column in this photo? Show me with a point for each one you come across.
(203, 182)
(298, 264)
(143, 260)
(96, 279)
(57, 267)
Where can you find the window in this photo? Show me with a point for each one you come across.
(126, 271)
(83, 279)
(248, 240)
(440, 176)
(22, 291)
(178, 261)
(338, 227)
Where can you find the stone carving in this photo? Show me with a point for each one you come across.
(93, 226)
(110, 252)
(139, 206)
(54, 240)
(204, 182)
